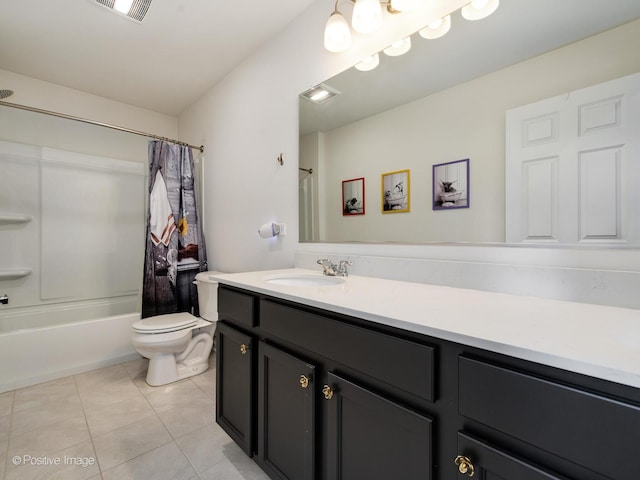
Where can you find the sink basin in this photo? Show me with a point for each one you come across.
(304, 280)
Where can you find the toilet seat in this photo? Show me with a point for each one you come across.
(171, 322)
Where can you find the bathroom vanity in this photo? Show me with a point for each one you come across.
(379, 379)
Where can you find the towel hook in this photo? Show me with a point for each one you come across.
(280, 159)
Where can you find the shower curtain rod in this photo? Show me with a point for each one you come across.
(100, 124)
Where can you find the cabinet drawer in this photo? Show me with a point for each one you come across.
(491, 462)
(400, 363)
(236, 306)
(599, 433)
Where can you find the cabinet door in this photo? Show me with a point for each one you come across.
(372, 437)
(479, 459)
(234, 385)
(286, 417)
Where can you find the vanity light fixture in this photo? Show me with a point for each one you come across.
(337, 35)
(368, 15)
(406, 5)
(399, 47)
(134, 9)
(368, 63)
(479, 9)
(436, 29)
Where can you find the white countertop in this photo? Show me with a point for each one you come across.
(595, 340)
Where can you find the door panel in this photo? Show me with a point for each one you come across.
(234, 385)
(286, 420)
(374, 438)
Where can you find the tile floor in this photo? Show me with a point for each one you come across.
(109, 424)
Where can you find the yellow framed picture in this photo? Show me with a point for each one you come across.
(396, 196)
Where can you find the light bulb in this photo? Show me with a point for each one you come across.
(406, 5)
(368, 63)
(367, 16)
(319, 96)
(436, 29)
(399, 47)
(337, 36)
(479, 9)
(123, 6)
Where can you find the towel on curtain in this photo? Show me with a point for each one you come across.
(173, 258)
(161, 220)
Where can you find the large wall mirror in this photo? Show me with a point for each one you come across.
(446, 101)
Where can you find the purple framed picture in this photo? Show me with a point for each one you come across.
(451, 185)
(353, 197)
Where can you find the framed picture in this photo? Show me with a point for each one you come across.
(451, 185)
(353, 197)
(396, 196)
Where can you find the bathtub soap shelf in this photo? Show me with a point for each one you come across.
(6, 219)
(14, 274)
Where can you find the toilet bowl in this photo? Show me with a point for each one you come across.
(178, 344)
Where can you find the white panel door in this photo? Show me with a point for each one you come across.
(573, 167)
(535, 154)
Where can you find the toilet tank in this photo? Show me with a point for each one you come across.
(207, 296)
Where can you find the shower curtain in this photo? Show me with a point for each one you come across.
(175, 247)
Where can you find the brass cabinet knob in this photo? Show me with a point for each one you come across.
(304, 381)
(244, 348)
(327, 392)
(465, 466)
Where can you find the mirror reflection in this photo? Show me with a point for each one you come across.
(445, 101)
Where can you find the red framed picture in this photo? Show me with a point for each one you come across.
(353, 197)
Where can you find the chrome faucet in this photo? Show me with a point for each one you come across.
(331, 269)
(328, 267)
(342, 268)
(4, 299)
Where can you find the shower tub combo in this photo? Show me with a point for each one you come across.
(49, 346)
(72, 229)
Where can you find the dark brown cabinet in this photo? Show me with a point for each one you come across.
(234, 385)
(372, 437)
(481, 460)
(286, 414)
(589, 429)
(316, 395)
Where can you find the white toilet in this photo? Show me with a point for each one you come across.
(178, 344)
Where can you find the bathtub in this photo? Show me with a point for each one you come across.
(39, 354)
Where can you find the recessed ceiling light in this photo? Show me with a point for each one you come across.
(320, 93)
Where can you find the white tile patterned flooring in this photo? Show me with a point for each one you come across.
(110, 424)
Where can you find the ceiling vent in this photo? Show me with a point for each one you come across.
(320, 93)
(135, 9)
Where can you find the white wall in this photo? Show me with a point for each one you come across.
(37, 129)
(247, 120)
